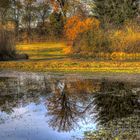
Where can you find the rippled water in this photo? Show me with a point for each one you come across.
(49, 107)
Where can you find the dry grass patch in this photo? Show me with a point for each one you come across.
(47, 57)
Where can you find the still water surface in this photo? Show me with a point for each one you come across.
(48, 107)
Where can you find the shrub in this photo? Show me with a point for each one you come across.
(7, 45)
(92, 42)
(126, 39)
(86, 35)
(89, 39)
(75, 26)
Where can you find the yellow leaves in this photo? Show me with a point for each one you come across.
(75, 26)
(89, 23)
(126, 39)
(118, 33)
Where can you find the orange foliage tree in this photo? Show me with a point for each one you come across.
(61, 6)
(55, 5)
(75, 26)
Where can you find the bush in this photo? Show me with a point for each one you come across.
(126, 39)
(92, 42)
(89, 39)
(76, 25)
(7, 45)
(86, 35)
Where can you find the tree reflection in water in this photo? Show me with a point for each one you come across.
(118, 114)
(65, 107)
(16, 93)
(66, 103)
(113, 105)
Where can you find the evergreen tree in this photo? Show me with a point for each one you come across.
(56, 25)
(116, 11)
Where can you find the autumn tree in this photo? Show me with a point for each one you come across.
(61, 5)
(75, 26)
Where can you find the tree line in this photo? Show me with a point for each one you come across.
(32, 14)
(91, 26)
(41, 16)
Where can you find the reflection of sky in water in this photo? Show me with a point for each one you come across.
(37, 108)
(30, 123)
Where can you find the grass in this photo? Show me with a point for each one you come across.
(50, 57)
(42, 50)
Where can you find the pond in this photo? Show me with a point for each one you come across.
(37, 106)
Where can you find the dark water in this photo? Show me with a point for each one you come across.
(38, 107)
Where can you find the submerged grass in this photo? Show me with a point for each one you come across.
(50, 57)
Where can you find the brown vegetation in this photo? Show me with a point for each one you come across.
(107, 43)
(8, 47)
